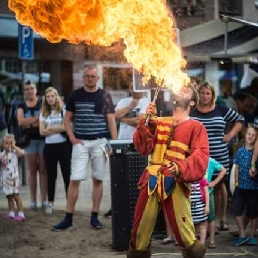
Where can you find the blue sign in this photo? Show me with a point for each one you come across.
(26, 42)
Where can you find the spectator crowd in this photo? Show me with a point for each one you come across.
(48, 132)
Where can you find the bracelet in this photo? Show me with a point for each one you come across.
(253, 166)
(236, 184)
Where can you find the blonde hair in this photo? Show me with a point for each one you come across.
(208, 86)
(252, 126)
(195, 96)
(46, 109)
(8, 137)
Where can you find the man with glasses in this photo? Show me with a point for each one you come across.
(92, 111)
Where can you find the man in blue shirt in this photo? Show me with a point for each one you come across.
(92, 112)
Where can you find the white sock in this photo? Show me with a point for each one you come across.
(11, 214)
(21, 214)
(44, 203)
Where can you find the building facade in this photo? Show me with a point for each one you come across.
(209, 45)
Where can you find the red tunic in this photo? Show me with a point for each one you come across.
(189, 149)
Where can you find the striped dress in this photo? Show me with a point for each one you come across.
(215, 123)
(197, 204)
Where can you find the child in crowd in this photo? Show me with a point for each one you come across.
(246, 192)
(170, 239)
(200, 203)
(10, 176)
(213, 166)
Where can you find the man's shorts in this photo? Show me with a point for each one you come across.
(211, 215)
(35, 147)
(89, 150)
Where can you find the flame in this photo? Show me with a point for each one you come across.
(146, 28)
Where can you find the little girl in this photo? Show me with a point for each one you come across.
(200, 207)
(10, 176)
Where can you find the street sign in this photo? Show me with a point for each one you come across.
(26, 42)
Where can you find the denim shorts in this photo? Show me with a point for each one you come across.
(35, 147)
(89, 151)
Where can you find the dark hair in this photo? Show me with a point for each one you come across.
(240, 95)
(254, 83)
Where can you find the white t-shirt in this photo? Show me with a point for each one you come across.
(53, 119)
(126, 131)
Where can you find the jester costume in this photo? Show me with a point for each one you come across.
(186, 147)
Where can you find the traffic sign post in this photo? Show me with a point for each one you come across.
(26, 52)
(26, 42)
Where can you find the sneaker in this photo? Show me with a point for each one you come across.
(95, 223)
(19, 218)
(8, 216)
(251, 241)
(49, 209)
(108, 214)
(167, 240)
(33, 206)
(44, 206)
(241, 241)
(63, 225)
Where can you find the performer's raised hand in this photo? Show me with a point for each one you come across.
(151, 109)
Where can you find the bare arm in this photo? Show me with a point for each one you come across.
(19, 151)
(57, 128)
(255, 154)
(207, 200)
(25, 122)
(112, 126)
(121, 112)
(220, 176)
(43, 130)
(133, 121)
(233, 132)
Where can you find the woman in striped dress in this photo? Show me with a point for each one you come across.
(215, 118)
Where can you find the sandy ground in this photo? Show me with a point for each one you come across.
(34, 238)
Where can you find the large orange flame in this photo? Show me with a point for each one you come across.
(145, 26)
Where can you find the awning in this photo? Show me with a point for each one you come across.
(242, 42)
(9, 27)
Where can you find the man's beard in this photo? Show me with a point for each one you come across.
(182, 103)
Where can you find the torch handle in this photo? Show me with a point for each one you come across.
(147, 120)
(154, 99)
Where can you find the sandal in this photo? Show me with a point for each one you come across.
(212, 245)
(223, 226)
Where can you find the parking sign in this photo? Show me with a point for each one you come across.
(26, 42)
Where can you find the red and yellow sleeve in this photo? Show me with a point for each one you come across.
(144, 137)
(193, 168)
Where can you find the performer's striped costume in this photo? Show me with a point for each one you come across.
(189, 151)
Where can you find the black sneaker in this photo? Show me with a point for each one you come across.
(108, 214)
(95, 223)
(63, 225)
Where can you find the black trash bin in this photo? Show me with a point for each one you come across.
(126, 166)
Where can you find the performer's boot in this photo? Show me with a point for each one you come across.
(196, 250)
(132, 253)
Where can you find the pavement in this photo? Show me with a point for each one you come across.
(84, 201)
(224, 241)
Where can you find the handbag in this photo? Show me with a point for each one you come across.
(64, 133)
(23, 139)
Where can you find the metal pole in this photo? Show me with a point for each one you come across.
(23, 161)
(226, 39)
